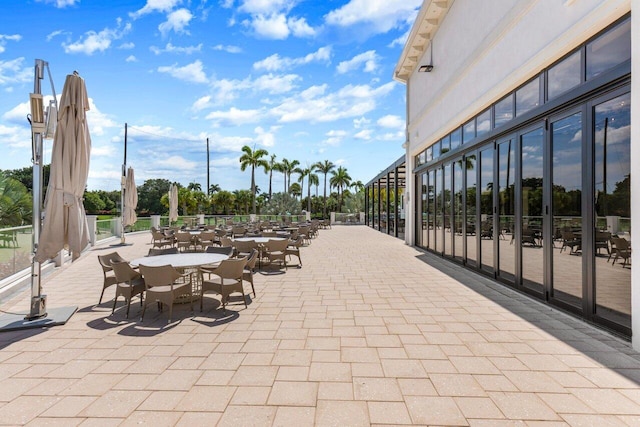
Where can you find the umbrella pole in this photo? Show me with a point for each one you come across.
(38, 301)
(123, 183)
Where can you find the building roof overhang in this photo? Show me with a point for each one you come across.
(427, 22)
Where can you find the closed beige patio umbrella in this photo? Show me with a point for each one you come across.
(130, 200)
(65, 222)
(173, 203)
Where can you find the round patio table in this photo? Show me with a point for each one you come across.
(188, 262)
(258, 239)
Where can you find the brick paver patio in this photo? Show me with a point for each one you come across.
(369, 332)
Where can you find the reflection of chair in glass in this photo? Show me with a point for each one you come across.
(571, 241)
(529, 236)
(620, 248)
(602, 241)
(486, 231)
(227, 280)
(165, 284)
(106, 262)
(130, 283)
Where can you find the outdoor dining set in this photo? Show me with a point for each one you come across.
(183, 264)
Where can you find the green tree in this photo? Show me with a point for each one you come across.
(224, 200)
(313, 180)
(25, 176)
(149, 195)
(194, 186)
(340, 180)
(243, 199)
(16, 203)
(325, 168)
(253, 158)
(282, 204)
(295, 189)
(93, 203)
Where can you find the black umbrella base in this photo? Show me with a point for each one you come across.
(54, 317)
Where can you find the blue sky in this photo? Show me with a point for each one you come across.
(309, 80)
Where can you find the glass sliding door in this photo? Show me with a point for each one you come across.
(431, 212)
(446, 210)
(612, 208)
(487, 233)
(531, 203)
(471, 215)
(438, 211)
(458, 230)
(506, 210)
(566, 194)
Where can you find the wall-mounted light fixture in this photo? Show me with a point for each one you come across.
(429, 67)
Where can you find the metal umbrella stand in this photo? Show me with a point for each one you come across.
(42, 126)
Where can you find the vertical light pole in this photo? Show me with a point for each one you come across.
(208, 185)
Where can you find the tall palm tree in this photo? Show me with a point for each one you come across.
(214, 188)
(308, 171)
(357, 186)
(302, 172)
(340, 180)
(194, 186)
(253, 158)
(313, 180)
(225, 200)
(288, 167)
(325, 167)
(273, 166)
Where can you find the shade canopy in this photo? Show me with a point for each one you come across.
(65, 222)
(130, 199)
(173, 203)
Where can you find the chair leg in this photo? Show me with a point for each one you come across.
(101, 295)
(113, 309)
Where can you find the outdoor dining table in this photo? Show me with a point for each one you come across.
(258, 240)
(188, 262)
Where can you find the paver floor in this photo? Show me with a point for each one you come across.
(369, 331)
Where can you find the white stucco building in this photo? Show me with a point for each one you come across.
(522, 125)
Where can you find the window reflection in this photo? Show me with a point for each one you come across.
(445, 145)
(528, 97)
(609, 50)
(503, 111)
(456, 139)
(471, 225)
(612, 203)
(468, 131)
(483, 122)
(564, 76)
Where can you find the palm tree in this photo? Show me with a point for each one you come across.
(254, 159)
(313, 180)
(225, 200)
(325, 167)
(303, 173)
(273, 166)
(214, 188)
(287, 168)
(15, 203)
(340, 180)
(295, 190)
(357, 186)
(194, 186)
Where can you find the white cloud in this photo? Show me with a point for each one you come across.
(391, 121)
(61, 4)
(266, 6)
(378, 16)
(170, 48)
(53, 34)
(13, 71)
(234, 117)
(131, 58)
(276, 84)
(155, 6)
(368, 58)
(201, 103)
(300, 28)
(191, 72)
(400, 41)
(127, 46)
(335, 137)
(364, 134)
(176, 163)
(4, 38)
(362, 121)
(15, 136)
(103, 151)
(228, 48)
(314, 105)
(270, 26)
(92, 41)
(265, 138)
(177, 21)
(98, 121)
(276, 63)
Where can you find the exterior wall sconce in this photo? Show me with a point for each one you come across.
(429, 67)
